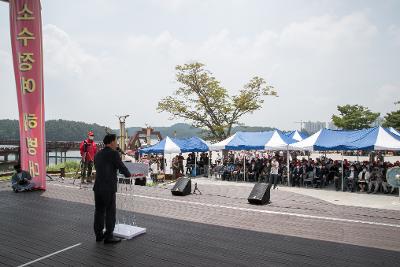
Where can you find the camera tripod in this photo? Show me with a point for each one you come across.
(78, 173)
(196, 189)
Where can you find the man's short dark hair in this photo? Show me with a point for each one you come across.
(109, 138)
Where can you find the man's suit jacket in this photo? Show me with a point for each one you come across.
(107, 163)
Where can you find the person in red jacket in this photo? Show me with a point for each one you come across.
(88, 150)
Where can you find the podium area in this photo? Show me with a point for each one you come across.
(45, 227)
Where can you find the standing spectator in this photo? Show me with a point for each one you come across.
(206, 164)
(175, 167)
(274, 171)
(88, 151)
(189, 163)
(180, 162)
(218, 160)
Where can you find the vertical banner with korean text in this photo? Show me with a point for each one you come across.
(26, 41)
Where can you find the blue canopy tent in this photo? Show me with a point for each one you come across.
(165, 146)
(377, 138)
(323, 140)
(192, 144)
(296, 135)
(175, 145)
(269, 140)
(393, 130)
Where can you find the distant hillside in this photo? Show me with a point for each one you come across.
(251, 129)
(63, 130)
(9, 129)
(56, 130)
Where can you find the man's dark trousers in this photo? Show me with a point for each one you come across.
(105, 210)
(87, 169)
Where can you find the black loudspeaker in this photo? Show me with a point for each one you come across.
(182, 187)
(140, 181)
(260, 194)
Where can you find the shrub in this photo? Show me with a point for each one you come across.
(70, 166)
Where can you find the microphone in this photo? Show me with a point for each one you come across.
(120, 151)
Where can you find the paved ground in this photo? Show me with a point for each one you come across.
(217, 228)
(358, 199)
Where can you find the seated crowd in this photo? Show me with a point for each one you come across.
(364, 176)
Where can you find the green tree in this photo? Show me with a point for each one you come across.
(202, 100)
(392, 119)
(354, 117)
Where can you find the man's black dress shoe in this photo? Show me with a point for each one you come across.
(99, 238)
(112, 240)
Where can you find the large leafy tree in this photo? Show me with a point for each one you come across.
(202, 100)
(392, 119)
(354, 117)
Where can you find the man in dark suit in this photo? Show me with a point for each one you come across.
(107, 163)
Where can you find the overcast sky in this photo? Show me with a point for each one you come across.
(104, 57)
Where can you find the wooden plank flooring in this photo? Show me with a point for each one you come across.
(32, 226)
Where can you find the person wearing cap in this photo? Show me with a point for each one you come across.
(21, 180)
(88, 151)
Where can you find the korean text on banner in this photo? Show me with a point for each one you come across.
(26, 41)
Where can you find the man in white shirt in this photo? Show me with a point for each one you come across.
(274, 172)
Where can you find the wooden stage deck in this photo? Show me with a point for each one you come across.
(36, 224)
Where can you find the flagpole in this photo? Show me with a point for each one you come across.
(195, 161)
(244, 167)
(342, 173)
(288, 168)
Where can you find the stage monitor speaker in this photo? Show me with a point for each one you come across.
(140, 181)
(182, 187)
(260, 194)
